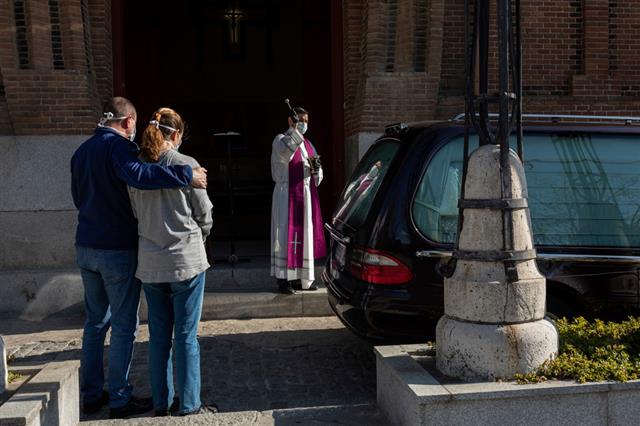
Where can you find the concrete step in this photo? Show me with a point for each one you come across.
(241, 290)
(350, 415)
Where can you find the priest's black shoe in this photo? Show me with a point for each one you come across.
(93, 407)
(296, 284)
(285, 287)
(134, 406)
(312, 287)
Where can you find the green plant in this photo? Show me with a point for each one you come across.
(12, 377)
(592, 352)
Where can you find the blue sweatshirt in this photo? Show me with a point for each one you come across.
(101, 169)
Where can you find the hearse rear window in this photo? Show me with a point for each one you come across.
(584, 190)
(355, 202)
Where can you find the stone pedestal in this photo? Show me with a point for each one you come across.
(4, 372)
(494, 324)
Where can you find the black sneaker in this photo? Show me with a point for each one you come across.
(285, 287)
(171, 411)
(93, 407)
(204, 409)
(134, 406)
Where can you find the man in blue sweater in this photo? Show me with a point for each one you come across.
(106, 251)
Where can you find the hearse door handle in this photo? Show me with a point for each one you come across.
(434, 254)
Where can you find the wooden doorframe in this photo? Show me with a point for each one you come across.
(117, 37)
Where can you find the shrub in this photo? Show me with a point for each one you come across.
(591, 352)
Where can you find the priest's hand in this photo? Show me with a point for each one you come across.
(314, 163)
(199, 179)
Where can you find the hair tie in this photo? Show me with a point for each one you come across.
(155, 124)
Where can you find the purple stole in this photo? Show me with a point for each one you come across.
(296, 212)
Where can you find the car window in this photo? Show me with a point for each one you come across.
(355, 202)
(584, 190)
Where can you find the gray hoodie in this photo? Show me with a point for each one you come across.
(172, 227)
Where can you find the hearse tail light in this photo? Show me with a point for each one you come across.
(378, 267)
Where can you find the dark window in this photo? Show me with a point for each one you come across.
(356, 199)
(87, 34)
(584, 190)
(56, 35)
(22, 46)
(392, 23)
(420, 36)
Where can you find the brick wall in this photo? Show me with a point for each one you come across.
(392, 61)
(48, 79)
(403, 61)
(580, 56)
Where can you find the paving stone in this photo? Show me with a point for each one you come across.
(256, 364)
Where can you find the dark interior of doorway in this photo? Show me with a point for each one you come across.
(226, 66)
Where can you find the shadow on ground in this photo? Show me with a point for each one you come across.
(266, 370)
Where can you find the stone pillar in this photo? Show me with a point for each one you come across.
(494, 324)
(4, 371)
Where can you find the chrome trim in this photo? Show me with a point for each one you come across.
(441, 254)
(438, 254)
(589, 258)
(334, 234)
(554, 118)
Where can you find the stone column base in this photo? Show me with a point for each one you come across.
(473, 351)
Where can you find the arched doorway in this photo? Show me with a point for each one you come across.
(227, 66)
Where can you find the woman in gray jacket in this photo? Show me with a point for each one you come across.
(172, 227)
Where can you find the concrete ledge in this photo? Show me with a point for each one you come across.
(409, 394)
(246, 304)
(347, 415)
(35, 295)
(51, 397)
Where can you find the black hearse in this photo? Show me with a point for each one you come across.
(393, 229)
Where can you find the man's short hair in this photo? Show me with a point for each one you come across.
(119, 107)
(299, 111)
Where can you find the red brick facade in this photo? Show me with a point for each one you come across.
(403, 61)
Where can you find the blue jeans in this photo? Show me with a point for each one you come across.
(111, 299)
(175, 308)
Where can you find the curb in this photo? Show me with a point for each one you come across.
(51, 397)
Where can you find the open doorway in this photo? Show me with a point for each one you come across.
(226, 66)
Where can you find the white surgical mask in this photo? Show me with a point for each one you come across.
(302, 127)
(132, 136)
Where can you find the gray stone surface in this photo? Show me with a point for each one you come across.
(246, 365)
(493, 351)
(349, 415)
(51, 397)
(35, 172)
(36, 294)
(493, 325)
(4, 372)
(37, 239)
(412, 392)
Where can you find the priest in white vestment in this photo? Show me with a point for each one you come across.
(297, 235)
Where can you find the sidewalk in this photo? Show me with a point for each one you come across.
(264, 371)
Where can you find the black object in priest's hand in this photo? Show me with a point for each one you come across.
(314, 163)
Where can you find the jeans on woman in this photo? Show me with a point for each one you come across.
(175, 308)
(111, 298)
